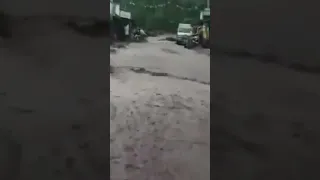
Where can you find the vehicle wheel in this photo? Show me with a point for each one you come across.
(188, 44)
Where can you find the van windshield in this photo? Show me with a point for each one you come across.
(185, 30)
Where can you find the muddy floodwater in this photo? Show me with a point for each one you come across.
(160, 113)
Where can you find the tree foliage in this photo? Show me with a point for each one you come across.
(162, 14)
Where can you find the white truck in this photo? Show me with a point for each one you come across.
(184, 31)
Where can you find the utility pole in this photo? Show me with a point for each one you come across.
(208, 3)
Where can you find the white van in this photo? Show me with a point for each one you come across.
(183, 31)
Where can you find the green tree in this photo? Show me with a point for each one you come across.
(162, 15)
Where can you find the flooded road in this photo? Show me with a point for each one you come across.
(160, 119)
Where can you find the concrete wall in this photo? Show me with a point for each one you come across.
(84, 8)
(287, 28)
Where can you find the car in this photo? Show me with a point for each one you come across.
(183, 32)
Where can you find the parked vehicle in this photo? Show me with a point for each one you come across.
(193, 40)
(201, 35)
(184, 31)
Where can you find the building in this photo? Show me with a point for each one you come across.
(119, 20)
(114, 9)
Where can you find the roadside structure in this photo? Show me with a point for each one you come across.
(120, 22)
